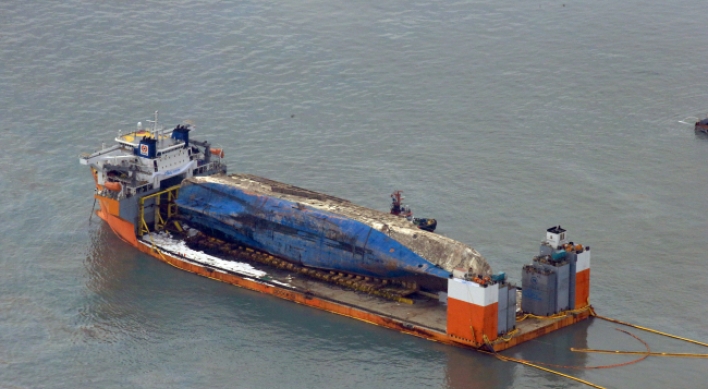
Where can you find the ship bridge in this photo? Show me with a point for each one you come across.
(154, 159)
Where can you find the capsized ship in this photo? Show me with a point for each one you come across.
(169, 196)
(322, 231)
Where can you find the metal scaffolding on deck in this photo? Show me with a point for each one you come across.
(163, 199)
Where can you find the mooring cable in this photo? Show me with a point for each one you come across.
(649, 330)
(644, 355)
(537, 365)
(652, 354)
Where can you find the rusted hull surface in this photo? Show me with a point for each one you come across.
(317, 230)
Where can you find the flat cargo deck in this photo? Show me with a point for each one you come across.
(426, 317)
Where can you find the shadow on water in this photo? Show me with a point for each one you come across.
(554, 348)
(467, 369)
(108, 263)
(108, 312)
(553, 351)
(701, 135)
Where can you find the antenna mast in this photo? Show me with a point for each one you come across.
(154, 127)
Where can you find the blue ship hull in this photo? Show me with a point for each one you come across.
(298, 232)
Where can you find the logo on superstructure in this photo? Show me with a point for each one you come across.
(144, 150)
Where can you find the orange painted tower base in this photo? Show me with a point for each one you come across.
(582, 279)
(472, 310)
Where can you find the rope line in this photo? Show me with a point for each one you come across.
(540, 365)
(582, 381)
(536, 366)
(644, 355)
(649, 330)
(653, 354)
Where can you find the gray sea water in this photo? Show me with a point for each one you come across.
(499, 118)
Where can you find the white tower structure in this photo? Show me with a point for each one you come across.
(555, 237)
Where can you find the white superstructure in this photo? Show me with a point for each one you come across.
(145, 160)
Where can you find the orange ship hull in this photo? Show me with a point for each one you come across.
(109, 212)
(354, 312)
(126, 231)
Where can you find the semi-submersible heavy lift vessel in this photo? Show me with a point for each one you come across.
(170, 197)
